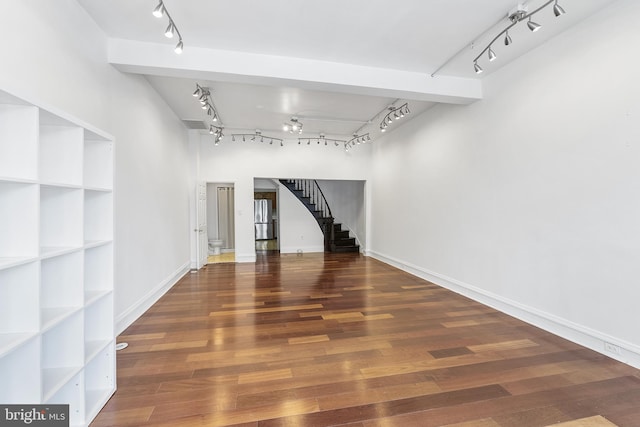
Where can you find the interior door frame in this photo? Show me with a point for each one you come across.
(202, 239)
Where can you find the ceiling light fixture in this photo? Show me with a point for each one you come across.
(519, 15)
(257, 135)
(395, 113)
(357, 140)
(206, 102)
(159, 11)
(292, 126)
(322, 138)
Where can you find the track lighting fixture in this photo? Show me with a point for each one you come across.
(533, 26)
(168, 33)
(557, 9)
(206, 102)
(507, 39)
(492, 55)
(257, 136)
(292, 126)
(515, 17)
(161, 10)
(395, 113)
(358, 139)
(322, 139)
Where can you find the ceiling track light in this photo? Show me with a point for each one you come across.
(516, 17)
(321, 139)
(394, 113)
(257, 136)
(293, 126)
(357, 140)
(206, 101)
(161, 10)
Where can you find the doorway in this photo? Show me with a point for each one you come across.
(221, 222)
(265, 210)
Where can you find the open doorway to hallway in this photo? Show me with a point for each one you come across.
(266, 224)
(221, 222)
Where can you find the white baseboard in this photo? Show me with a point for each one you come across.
(124, 320)
(304, 249)
(245, 257)
(607, 345)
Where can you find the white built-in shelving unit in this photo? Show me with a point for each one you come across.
(57, 341)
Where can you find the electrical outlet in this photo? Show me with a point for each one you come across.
(612, 348)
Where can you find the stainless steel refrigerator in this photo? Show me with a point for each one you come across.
(262, 214)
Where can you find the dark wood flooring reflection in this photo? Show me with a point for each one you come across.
(324, 340)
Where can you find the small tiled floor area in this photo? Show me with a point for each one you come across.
(223, 257)
(267, 245)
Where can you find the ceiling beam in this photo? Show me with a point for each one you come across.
(251, 68)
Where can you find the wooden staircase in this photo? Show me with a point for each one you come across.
(310, 195)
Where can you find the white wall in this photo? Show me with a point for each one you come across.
(57, 56)
(299, 230)
(240, 163)
(528, 199)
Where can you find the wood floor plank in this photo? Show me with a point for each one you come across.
(596, 421)
(342, 339)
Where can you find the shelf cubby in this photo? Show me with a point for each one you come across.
(18, 141)
(19, 299)
(99, 379)
(61, 287)
(62, 354)
(98, 216)
(20, 373)
(72, 394)
(61, 159)
(18, 222)
(98, 272)
(61, 216)
(98, 320)
(98, 162)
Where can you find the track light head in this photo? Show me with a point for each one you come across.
(507, 39)
(492, 55)
(197, 92)
(179, 47)
(285, 127)
(170, 30)
(557, 9)
(533, 26)
(159, 10)
(477, 68)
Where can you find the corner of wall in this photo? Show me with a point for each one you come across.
(124, 320)
(614, 348)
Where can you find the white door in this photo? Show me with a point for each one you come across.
(203, 240)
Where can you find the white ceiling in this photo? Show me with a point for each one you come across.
(335, 64)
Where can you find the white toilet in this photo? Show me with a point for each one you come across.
(214, 246)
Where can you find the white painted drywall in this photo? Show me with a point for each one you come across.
(299, 231)
(530, 195)
(57, 56)
(231, 162)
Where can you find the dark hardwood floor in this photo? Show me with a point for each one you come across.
(341, 339)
